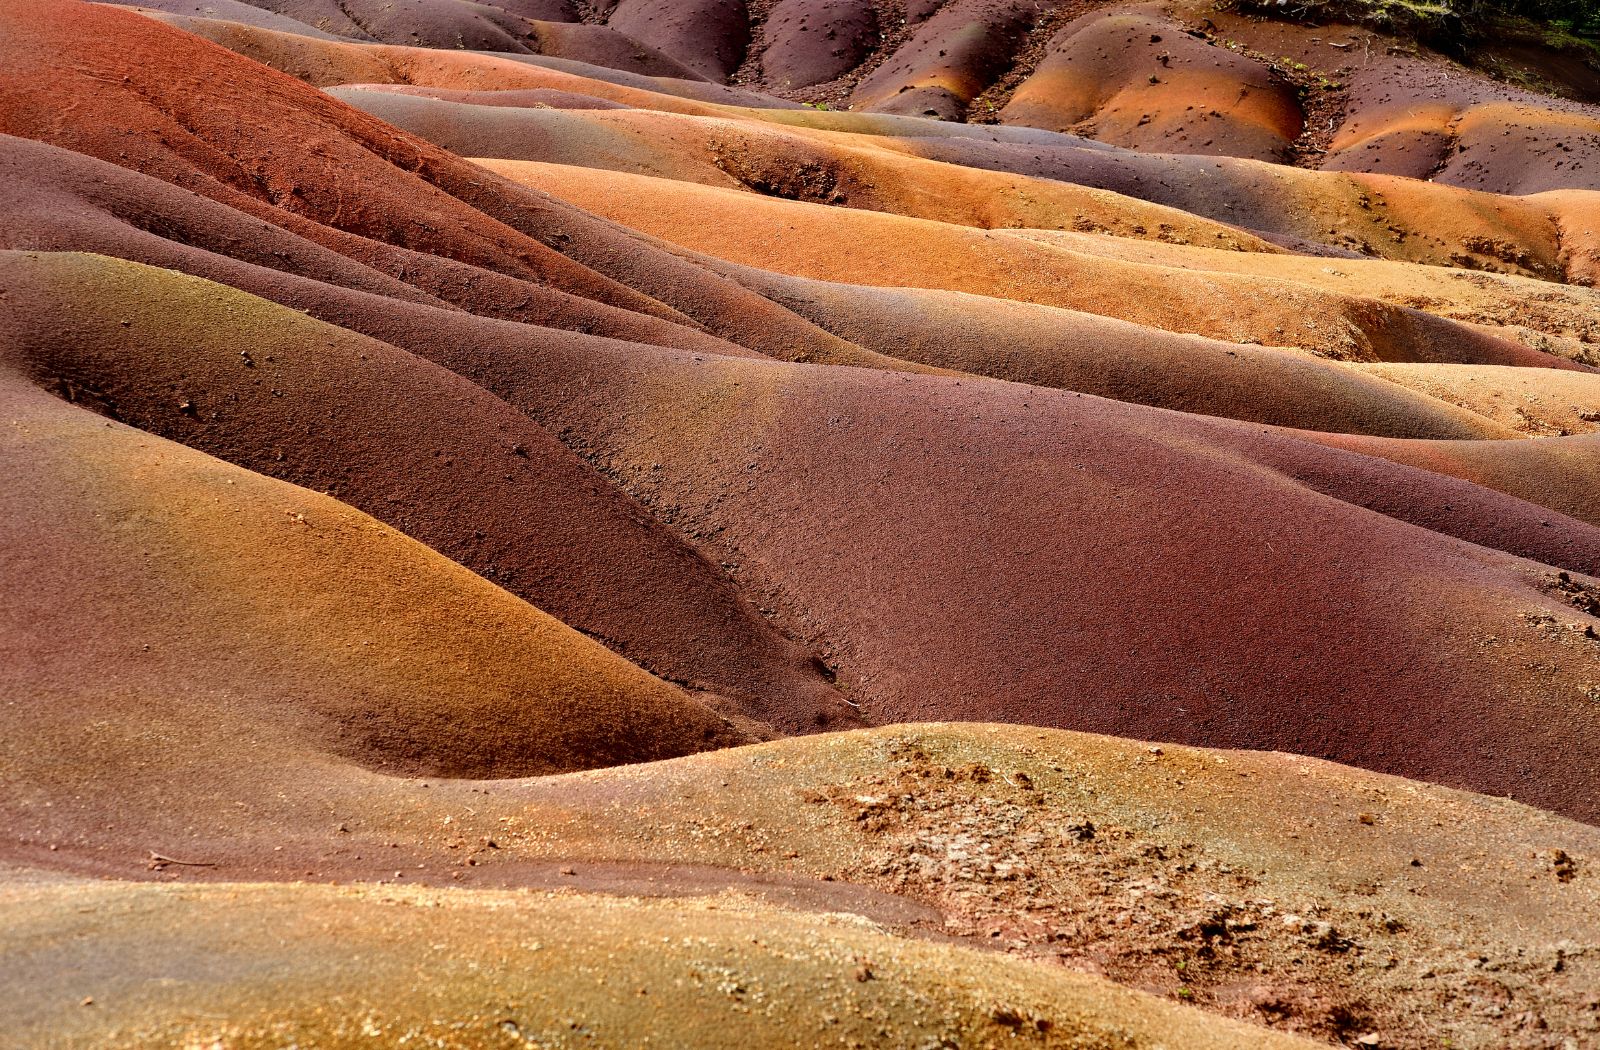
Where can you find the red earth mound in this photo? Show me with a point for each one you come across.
(325, 62)
(66, 201)
(423, 23)
(1024, 491)
(802, 43)
(1351, 618)
(821, 167)
(332, 175)
(1172, 78)
(238, 11)
(1046, 346)
(1535, 403)
(1140, 81)
(529, 98)
(161, 595)
(1075, 518)
(1332, 213)
(408, 408)
(1375, 103)
(341, 179)
(600, 46)
(1414, 120)
(707, 36)
(1562, 473)
(343, 419)
(1365, 215)
(1225, 295)
(948, 60)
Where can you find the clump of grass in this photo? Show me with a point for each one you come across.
(1428, 21)
(1467, 30)
(1562, 23)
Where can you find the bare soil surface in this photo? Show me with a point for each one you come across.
(953, 523)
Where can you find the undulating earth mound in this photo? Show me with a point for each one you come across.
(954, 523)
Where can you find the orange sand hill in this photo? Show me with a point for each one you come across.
(695, 436)
(802, 523)
(157, 589)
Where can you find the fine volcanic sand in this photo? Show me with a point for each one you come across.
(298, 399)
(437, 586)
(1076, 272)
(681, 430)
(473, 968)
(154, 588)
(1071, 854)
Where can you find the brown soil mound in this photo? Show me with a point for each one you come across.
(1046, 346)
(66, 201)
(1174, 78)
(529, 98)
(949, 59)
(823, 243)
(1139, 81)
(1370, 215)
(280, 394)
(444, 565)
(1554, 319)
(165, 603)
(1051, 505)
(1417, 119)
(707, 36)
(601, 46)
(343, 180)
(1374, 215)
(535, 27)
(808, 42)
(681, 431)
(333, 174)
(1399, 108)
(819, 167)
(716, 973)
(341, 61)
(238, 11)
(1367, 906)
(1562, 474)
(1535, 403)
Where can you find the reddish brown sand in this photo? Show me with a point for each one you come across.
(1177, 76)
(796, 164)
(528, 27)
(808, 42)
(245, 13)
(787, 550)
(1138, 81)
(707, 36)
(1212, 298)
(1374, 215)
(1414, 119)
(947, 60)
(349, 416)
(637, 419)
(1062, 855)
(487, 445)
(158, 592)
(1051, 347)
